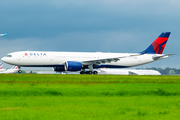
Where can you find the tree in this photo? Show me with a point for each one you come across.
(172, 72)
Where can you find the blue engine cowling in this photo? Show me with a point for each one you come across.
(73, 66)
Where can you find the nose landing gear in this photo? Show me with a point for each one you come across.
(19, 71)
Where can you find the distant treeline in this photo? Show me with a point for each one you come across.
(165, 71)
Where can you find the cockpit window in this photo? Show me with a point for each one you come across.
(9, 55)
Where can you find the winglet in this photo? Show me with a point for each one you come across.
(158, 45)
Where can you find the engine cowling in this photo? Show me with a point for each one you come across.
(73, 66)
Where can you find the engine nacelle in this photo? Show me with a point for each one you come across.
(59, 69)
(73, 66)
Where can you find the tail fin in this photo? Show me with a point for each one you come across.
(15, 67)
(1, 65)
(158, 45)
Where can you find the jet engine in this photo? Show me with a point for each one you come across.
(73, 66)
(69, 66)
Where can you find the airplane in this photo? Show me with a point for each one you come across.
(128, 72)
(81, 61)
(12, 70)
(2, 35)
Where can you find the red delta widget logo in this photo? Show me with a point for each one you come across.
(35, 54)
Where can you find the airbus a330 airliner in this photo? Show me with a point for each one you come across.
(81, 61)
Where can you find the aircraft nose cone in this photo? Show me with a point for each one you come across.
(3, 59)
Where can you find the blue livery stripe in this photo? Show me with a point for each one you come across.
(160, 46)
(165, 34)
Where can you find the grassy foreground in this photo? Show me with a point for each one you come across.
(31, 96)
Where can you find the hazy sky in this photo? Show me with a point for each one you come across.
(90, 25)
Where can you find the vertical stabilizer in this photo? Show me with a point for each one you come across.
(15, 67)
(158, 45)
(1, 65)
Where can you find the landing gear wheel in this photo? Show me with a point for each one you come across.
(90, 72)
(95, 72)
(19, 71)
(82, 72)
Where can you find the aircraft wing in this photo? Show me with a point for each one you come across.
(107, 60)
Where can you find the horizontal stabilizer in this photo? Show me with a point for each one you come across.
(162, 56)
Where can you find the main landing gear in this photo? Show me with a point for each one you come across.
(89, 72)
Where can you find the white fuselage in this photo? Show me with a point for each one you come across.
(2, 70)
(128, 71)
(52, 59)
(9, 71)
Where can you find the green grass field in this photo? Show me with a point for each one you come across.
(100, 97)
